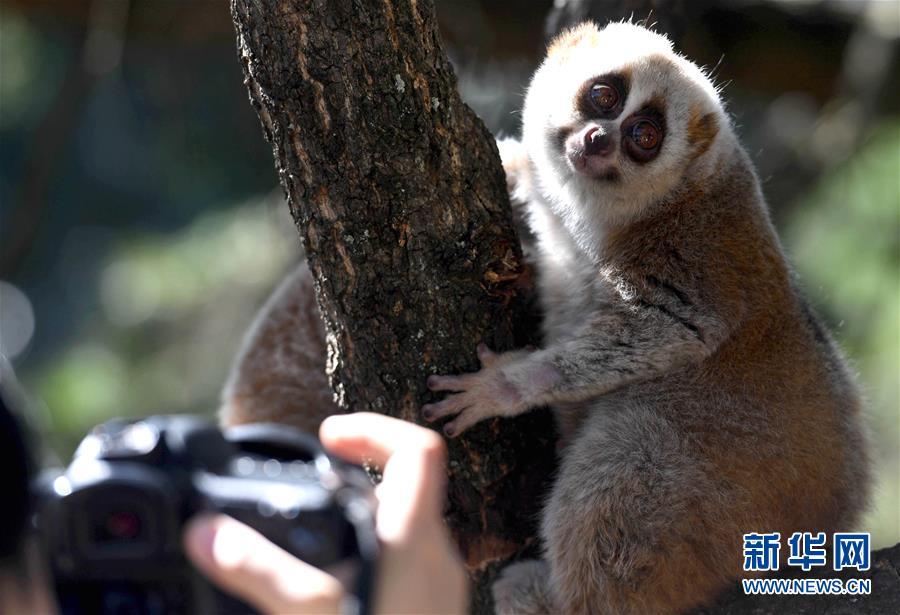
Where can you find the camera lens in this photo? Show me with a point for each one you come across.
(118, 522)
(122, 513)
(121, 525)
(117, 525)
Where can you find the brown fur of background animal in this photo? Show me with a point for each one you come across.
(279, 373)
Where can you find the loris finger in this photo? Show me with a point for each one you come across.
(466, 419)
(446, 407)
(449, 383)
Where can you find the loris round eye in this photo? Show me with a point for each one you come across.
(645, 134)
(604, 96)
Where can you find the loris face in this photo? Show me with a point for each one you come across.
(615, 119)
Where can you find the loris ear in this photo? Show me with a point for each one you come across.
(702, 129)
(570, 38)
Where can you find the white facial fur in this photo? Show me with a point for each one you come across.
(588, 205)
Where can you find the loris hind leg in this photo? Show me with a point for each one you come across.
(279, 374)
(523, 589)
(629, 527)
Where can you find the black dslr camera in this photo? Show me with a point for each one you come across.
(111, 523)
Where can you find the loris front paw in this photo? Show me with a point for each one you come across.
(482, 395)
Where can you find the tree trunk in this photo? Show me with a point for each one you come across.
(397, 191)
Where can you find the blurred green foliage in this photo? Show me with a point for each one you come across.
(25, 62)
(845, 241)
(173, 308)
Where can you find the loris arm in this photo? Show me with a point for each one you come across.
(635, 332)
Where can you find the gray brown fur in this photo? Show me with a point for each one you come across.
(279, 373)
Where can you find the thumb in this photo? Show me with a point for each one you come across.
(241, 561)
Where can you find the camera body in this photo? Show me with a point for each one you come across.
(111, 523)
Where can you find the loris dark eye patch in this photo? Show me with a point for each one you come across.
(602, 97)
(643, 134)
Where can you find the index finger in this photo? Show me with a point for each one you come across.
(411, 494)
(366, 437)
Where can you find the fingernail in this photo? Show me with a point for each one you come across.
(427, 412)
(431, 382)
(335, 418)
(333, 422)
(449, 431)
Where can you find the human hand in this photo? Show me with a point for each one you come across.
(419, 568)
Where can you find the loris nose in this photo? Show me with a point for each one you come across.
(597, 142)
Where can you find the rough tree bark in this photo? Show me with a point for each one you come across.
(397, 191)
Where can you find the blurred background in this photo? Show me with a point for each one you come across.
(141, 223)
